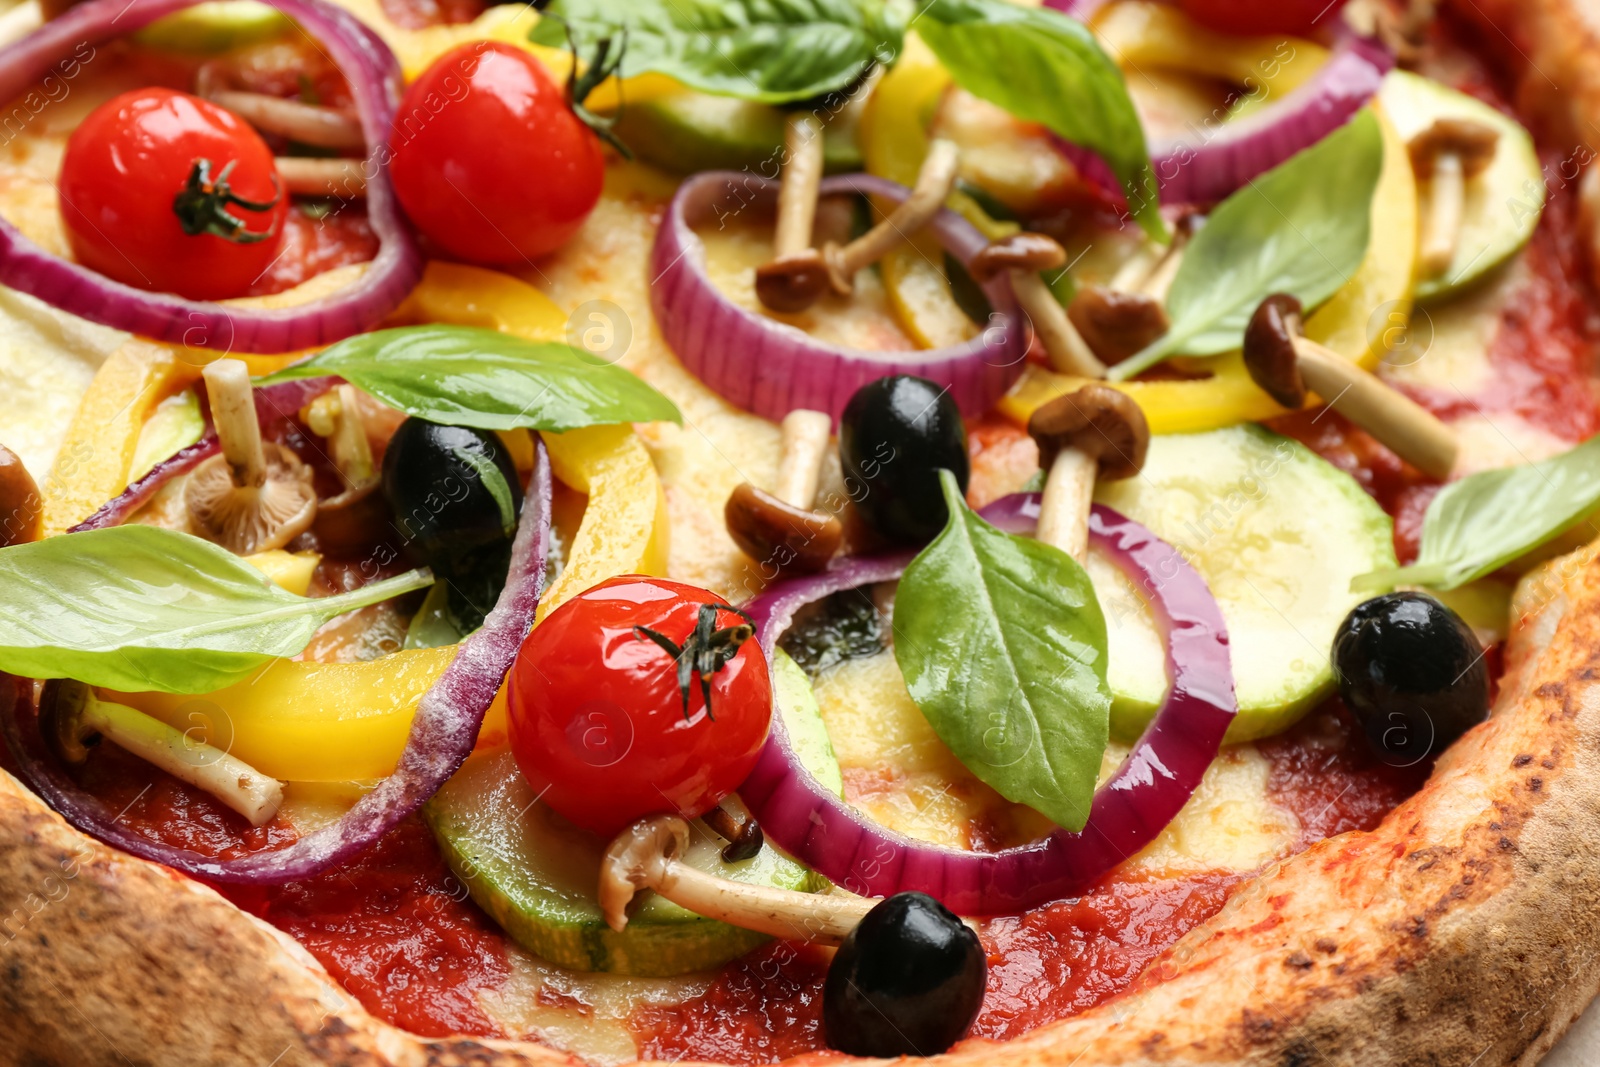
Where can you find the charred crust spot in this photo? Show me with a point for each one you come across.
(1535, 784)
(1551, 690)
(1259, 1027)
(1299, 961)
(1548, 764)
(1506, 844)
(1325, 945)
(1522, 760)
(1417, 926)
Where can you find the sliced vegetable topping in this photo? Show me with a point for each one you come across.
(374, 78)
(442, 733)
(815, 826)
(636, 695)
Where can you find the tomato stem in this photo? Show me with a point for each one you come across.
(707, 650)
(202, 205)
(603, 67)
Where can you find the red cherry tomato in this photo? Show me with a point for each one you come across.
(489, 161)
(1299, 17)
(597, 717)
(148, 163)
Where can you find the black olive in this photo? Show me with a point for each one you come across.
(1412, 673)
(895, 435)
(448, 509)
(908, 981)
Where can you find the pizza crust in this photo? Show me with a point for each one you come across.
(1461, 931)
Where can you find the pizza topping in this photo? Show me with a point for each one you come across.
(779, 529)
(452, 491)
(374, 81)
(1116, 323)
(346, 522)
(796, 275)
(20, 502)
(256, 495)
(71, 716)
(934, 184)
(1413, 673)
(1021, 256)
(810, 822)
(1446, 156)
(907, 981)
(295, 120)
(1096, 432)
(668, 667)
(1286, 363)
(895, 436)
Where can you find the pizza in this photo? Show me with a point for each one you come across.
(751, 533)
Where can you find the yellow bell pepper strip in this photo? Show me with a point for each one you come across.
(290, 570)
(471, 296)
(1356, 323)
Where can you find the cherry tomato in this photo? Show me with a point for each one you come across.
(489, 161)
(165, 191)
(1299, 17)
(598, 721)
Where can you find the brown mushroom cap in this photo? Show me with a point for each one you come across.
(1269, 353)
(792, 283)
(1115, 324)
(1472, 142)
(20, 503)
(248, 519)
(779, 535)
(61, 706)
(1021, 251)
(1099, 421)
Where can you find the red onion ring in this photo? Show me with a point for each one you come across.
(771, 368)
(1238, 151)
(442, 734)
(275, 405)
(375, 83)
(1160, 774)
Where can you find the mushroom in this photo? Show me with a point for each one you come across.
(1127, 316)
(648, 855)
(297, 121)
(346, 521)
(256, 495)
(72, 717)
(302, 176)
(20, 503)
(1095, 432)
(1023, 256)
(1447, 155)
(1287, 364)
(796, 276)
(780, 528)
(740, 830)
(935, 182)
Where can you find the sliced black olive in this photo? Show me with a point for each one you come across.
(455, 497)
(895, 435)
(908, 981)
(1412, 673)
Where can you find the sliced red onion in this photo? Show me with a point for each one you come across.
(1205, 165)
(275, 405)
(1159, 775)
(771, 368)
(375, 84)
(442, 734)
(1082, 10)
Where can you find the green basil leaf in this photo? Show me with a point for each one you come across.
(1042, 66)
(1003, 647)
(1479, 524)
(489, 474)
(769, 51)
(469, 376)
(1301, 228)
(144, 608)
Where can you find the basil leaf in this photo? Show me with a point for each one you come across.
(769, 51)
(1479, 524)
(1003, 647)
(1301, 228)
(469, 376)
(1042, 66)
(489, 474)
(143, 608)
(434, 624)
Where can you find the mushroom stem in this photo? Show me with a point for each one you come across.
(1064, 505)
(1063, 344)
(802, 177)
(321, 177)
(1441, 223)
(805, 445)
(1393, 419)
(226, 777)
(647, 855)
(233, 410)
(1159, 281)
(336, 416)
(934, 184)
(305, 123)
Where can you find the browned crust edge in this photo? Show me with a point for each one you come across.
(1463, 931)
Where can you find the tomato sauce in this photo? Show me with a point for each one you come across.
(317, 240)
